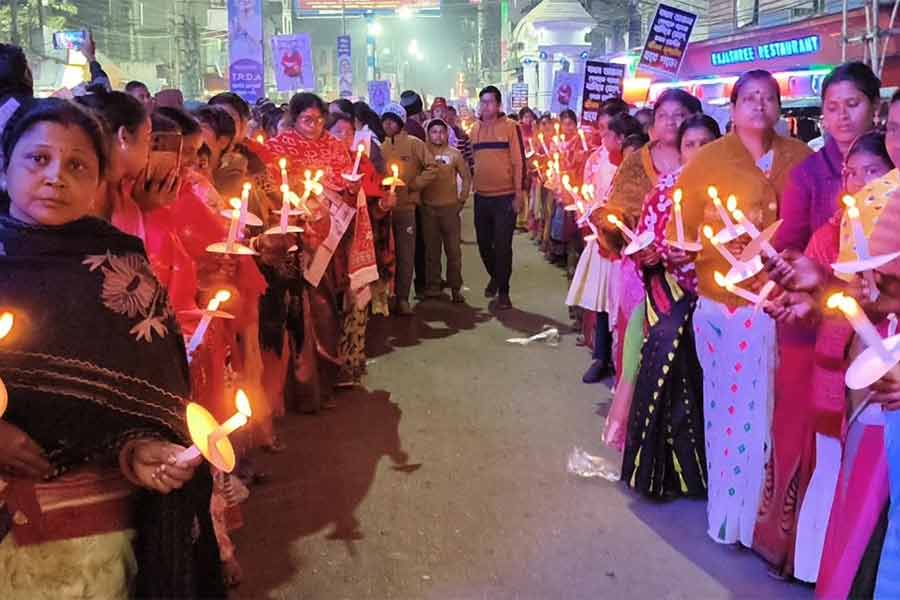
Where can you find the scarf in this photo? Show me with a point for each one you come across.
(96, 359)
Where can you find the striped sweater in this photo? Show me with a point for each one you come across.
(499, 158)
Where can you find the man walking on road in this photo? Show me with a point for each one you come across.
(499, 193)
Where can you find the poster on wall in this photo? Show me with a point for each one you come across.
(379, 95)
(602, 81)
(293, 64)
(518, 96)
(565, 92)
(245, 49)
(667, 41)
(345, 67)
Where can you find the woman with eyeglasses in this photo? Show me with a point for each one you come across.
(307, 146)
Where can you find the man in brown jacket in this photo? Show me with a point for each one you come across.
(442, 201)
(417, 170)
(499, 191)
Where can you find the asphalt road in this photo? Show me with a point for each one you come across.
(447, 477)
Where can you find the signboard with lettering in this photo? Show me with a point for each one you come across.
(602, 81)
(667, 40)
(333, 8)
(518, 96)
(245, 49)
(769, 51)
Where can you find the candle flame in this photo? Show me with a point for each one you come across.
(307, 175)
(556, 128)
(723, 281)
(223, 296)
(235, 203)
(284, 188)
(361, 148)
(556, 156)
(260, 138)
(6, 324)
(708, 232)
(247, 186)
(541, 137)
(565, 182)
(738, 214)
(282, 163)
(712, 191)
(845, 304)
(243, 403)
(732, 203)
(676, 197)
(319, 175)
(716, 201)
(536, 164)
(612, 219)
(395, 170)
(849, 201)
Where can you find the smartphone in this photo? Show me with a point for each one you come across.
(165, 154)
(69, 40)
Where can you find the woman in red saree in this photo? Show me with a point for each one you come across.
(307, 146)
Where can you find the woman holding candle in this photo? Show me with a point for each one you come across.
(736, 346)
(82, 415)
(664, 452)
(308, 146)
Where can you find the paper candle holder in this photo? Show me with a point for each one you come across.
(880, 356)
(7, 320)
(210, 438)
(761, 242)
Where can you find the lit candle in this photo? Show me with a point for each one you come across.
(632, 236)
(282, 163)
(708, 232)
(723, 214)
(679, 223)
(245, 208)
(584, 145)
(6, 324)
(555, 139)
(395, 171)
(861, 324)
(233, 227)
(359, 153)
(740, 292)
(260, 138)
(197, 339)
(543, 145)
(859, 234)
(566, 183)
(556, 128)
(285, 208)
(752, 231)
(238, 420)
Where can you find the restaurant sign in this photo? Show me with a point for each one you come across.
(768, 51)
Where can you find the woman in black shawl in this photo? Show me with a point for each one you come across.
(97, 377)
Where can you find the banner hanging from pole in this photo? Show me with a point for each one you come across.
(292, 60)
(345, 67)
(245, 49)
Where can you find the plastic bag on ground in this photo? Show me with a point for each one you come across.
(588, 466)
(548, 334)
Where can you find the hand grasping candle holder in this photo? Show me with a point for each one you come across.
(865, 263)
(587, 190)
(637, 242)
(210, 438)
(394, 180)
(247, 217)
(880, 356)
(6, 324)
(212, 310)
(355, 175)
(740, 271)
(231, 246)
(680, 242)
(731, 231)
(760, 242)
(757, 300)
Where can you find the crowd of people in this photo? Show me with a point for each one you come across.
(727, 355)
(156, 251)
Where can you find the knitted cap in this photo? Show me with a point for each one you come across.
(412, 102)
(396, 111)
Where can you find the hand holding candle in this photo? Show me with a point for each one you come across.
(723, 214)
(755, 299)
(861, 324)
(210, 438)
(632, 236)
(734, 262)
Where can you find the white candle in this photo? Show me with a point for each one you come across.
(740, 292)
(753, 232)
(543, 145)
(285, 209)
(556, 128)
(233, 226)
(708, 232)
(679, 223)
(861, 324)
(584, 145)
(245, 208)
(359, 153)
(859, 234)
(234, 423)
(282, 163)
(395, 171)
(197, 339)
(723, 214)
(632, 236)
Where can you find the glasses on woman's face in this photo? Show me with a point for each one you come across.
(311, 121)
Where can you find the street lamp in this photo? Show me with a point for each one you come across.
(413, 48)
(375, 29)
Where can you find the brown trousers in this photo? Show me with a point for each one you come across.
(404, 224)
(442, 227)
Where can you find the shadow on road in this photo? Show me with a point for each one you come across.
(527, 322)
(318, 484)
(384, 335)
